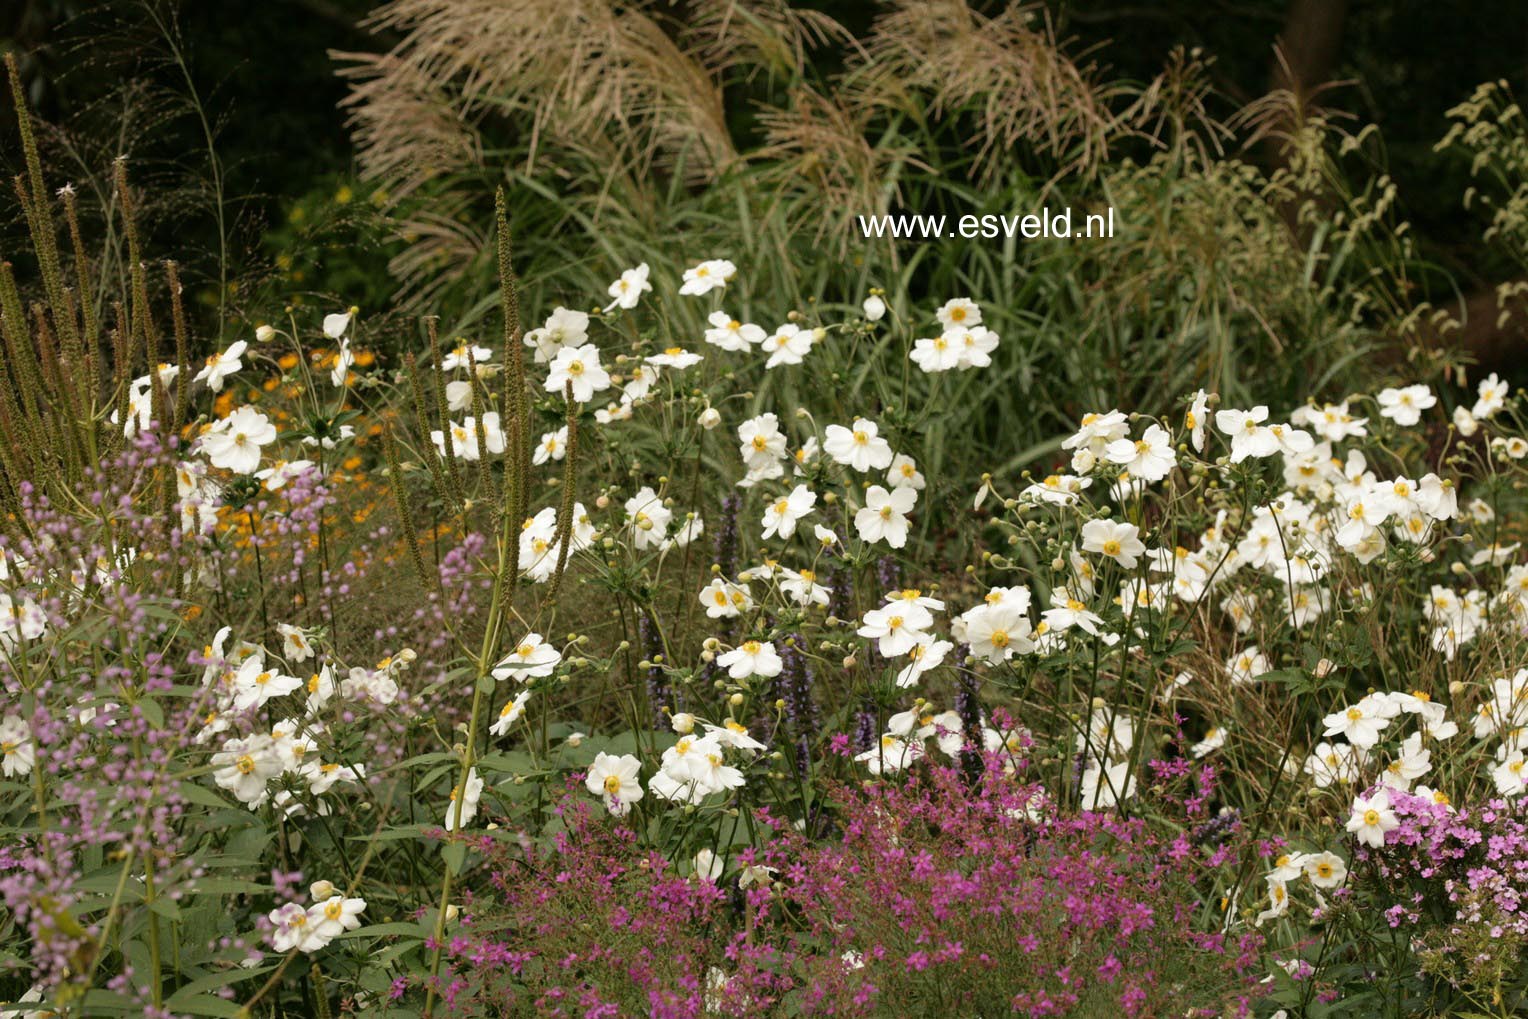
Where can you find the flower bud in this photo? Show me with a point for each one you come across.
(875, 308)
(1465, 422)
(683, 722)
(709, 418)
(321, 891)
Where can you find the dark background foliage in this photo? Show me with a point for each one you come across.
(140, 75)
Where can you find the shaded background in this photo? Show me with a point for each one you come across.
(156, 77)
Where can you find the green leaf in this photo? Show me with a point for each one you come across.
(382, 930)
(204, 1004)
(165, 907)
(151, 711)
(412, 831)
(455, 854)
(216, 981)
(226, 886)
(204, 796)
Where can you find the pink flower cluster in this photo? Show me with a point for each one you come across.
(940, 896)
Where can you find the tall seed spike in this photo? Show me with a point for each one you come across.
(182, 348)
(458, 491)
(427, 577)
(83, 282)
(422, 422)
(565, 521)
(35, 208)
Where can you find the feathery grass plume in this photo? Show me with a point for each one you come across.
(1488, 128)
(760, 36)
(1332, 184)
(824, 170)
(631, 92)
(1007, 70)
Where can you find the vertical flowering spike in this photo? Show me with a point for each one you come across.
(659, 695)
(968, 707)
(91, 335)
(457, 491)
(21, 354)
(515, 396)
(33, 192)
(726, 535)
(422, 422)
(182, 350)
(794, 685)
(429, 578)
(864, 729)
(141, 334)
(564, 536)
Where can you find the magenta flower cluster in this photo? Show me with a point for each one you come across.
(938, 896)
(1458, 881)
